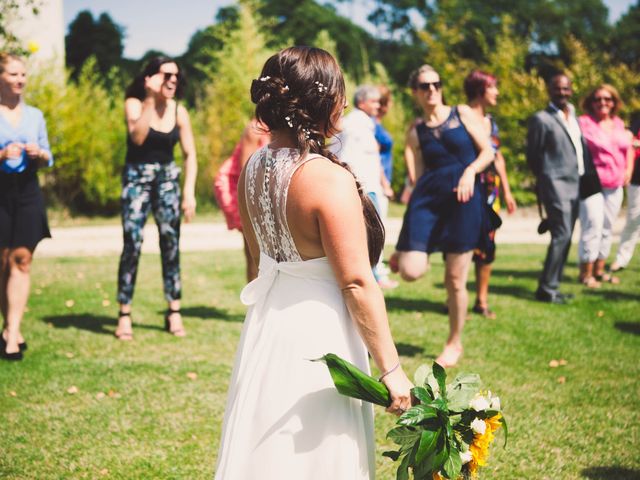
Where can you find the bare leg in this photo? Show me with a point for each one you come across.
(455, 280)
(412, 265)
(252, 269)
(17, 289)
(4, 278)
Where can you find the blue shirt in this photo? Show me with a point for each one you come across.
(386, 142)
(31, 129)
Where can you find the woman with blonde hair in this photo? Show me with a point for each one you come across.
(24, 148)
(609, 143)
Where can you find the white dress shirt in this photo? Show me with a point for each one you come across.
(573, 129)
(356, 145)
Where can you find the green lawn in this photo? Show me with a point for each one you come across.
(152, 408)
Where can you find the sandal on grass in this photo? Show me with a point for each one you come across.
(608, 278)
(124, 334)
(168, 324)
(486, 312)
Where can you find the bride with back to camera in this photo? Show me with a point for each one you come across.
(315, 236)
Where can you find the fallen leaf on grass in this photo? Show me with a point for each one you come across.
(13, 394)
(100, 395)
(106, 303)
(72, 390)
(562, 362)
(600, 313)
(69, 303)
(562, 379)
(554, 364)
(37, 291)
(192, 375)
(49, 324)
(114, 394)
(104, 471)
(69, 355)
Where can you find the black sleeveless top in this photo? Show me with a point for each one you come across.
(156, 148)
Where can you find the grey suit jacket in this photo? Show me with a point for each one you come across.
(552, 156)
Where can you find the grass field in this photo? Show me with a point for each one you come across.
(152, 408)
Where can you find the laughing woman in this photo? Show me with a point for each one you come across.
(150, 181)
(24, 148)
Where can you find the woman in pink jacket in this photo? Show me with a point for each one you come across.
(610, 145)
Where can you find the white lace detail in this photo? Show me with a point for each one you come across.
(267, 178)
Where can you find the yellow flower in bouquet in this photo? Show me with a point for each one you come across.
(481, 442)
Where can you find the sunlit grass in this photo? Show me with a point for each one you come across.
(152, 408)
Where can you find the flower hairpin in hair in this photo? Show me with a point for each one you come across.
(289, 121)
(285, 88)
(307, 133)
(264, 79)
(321, 87)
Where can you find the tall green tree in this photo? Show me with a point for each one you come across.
(101, 38)
(625, 45)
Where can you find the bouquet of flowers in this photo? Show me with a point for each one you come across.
(446, 434)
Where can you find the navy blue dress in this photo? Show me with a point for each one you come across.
(435, 221)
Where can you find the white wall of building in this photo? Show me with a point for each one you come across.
(44, 30)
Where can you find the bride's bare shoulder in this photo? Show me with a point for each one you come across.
(323, 177)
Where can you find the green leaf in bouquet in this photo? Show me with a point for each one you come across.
(392, 454)
(462, 390)
(441, 377)
(422, 394)
(403, 469)
(432, 462)
(440, 404)
(421, 375)
(453, 464)
(418, 414)
(503, 421)
(428, 442)
(455, 419)
(404, 435)
(353, 382)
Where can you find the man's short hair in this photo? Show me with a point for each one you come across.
(364, 93)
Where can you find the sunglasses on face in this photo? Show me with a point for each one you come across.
(603, 100)
(426, 86)
(169, 75)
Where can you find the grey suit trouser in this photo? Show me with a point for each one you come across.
(562, 215)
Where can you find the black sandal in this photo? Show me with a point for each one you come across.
(180, 332)
(128, 334)
(486, 312)
(9, 356)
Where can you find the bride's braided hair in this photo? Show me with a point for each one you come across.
(302, 89)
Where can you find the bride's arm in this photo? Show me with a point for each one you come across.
(338, 211)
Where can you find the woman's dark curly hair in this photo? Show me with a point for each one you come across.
(136, 87)
(301, 89)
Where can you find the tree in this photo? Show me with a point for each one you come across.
(87, 37)
(625, 45)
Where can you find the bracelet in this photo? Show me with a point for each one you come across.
(389, 371)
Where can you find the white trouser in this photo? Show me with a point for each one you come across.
(631, 232)
(598, 213)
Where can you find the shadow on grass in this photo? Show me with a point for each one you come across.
(414, 305)
(91, 322)
(408, 350)
(608, 473)
(628, 327)
(612, 295)
(211, 313)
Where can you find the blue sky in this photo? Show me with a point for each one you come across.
(167, 25)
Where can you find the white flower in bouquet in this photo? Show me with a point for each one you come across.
(466, 457)
(479, 404)
(478, 426)
(495, 403)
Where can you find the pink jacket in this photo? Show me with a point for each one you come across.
(608, 149)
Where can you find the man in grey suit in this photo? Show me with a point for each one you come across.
(558, 156)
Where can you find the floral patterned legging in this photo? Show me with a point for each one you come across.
(152, 186)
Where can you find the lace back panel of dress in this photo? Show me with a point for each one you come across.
(267, 182)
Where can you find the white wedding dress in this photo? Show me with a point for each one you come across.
(284, 419)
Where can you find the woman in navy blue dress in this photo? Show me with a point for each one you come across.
(446, 212)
